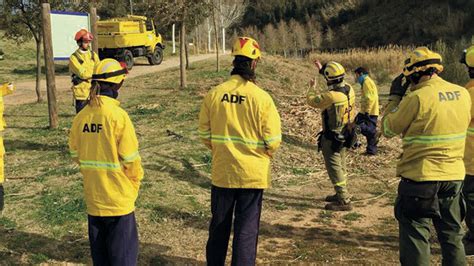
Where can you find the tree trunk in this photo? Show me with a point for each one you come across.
(186, 52)
(182, 59)
(223, 40)
(49, 64)
(208, 36)
(216, 38)
(39, 98)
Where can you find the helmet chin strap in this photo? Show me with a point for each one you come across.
(80, 44)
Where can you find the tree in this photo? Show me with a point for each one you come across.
(283, 32)
(24, 20)
(188, 14)
(314, 33)
(229, 12)
(271, 40)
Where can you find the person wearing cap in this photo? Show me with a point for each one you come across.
(103, 142)
(239, 122)
(81, 65)
(432, 118)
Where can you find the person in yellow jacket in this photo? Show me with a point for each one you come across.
(239, 122)
(432, 119)
(367, 118)
(81, 65)
(468, 188)
(338, 112)
(103, 141)
(5, 89)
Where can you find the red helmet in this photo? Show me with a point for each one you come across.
(83, 35)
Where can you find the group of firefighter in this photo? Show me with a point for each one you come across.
(240, 124)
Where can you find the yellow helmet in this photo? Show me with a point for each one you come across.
(110, 70)
(333, 70)
(248, 47)
(468, 57)
(421, 59)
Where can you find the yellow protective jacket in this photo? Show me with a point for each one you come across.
(370, 97)
(469, 153)
(241, 124)
(4, 91)
(433, 119)
(103, 141)
(82, 65)
(338, 109)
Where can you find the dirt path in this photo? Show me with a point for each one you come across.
(25, 92)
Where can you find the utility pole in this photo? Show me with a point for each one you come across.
(49, 64)
(93, 21)
(131, 7)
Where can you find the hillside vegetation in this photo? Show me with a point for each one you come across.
(369, 23)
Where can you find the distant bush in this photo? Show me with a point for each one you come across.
(385, 62)
(453, 70)
(382, 62)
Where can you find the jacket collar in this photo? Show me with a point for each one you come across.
(106, 100)
(425, 83)
(361, 79)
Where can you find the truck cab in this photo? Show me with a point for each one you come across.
(129, 37)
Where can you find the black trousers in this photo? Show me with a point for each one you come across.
(246, 205)
(113, 240)
(368, 127)
(80, 104)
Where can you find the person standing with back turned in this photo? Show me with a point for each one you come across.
(468, 188)
(104, 144)
(432, 118)
(241, 125)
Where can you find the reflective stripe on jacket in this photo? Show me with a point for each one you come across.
(82, 65)
(433, 119)
(241, 124)
(469, 153)
(103, 141)
(369, 98)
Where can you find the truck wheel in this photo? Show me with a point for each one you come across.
(127, 57)
(157, 57)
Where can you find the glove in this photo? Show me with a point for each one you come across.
(1, 198)
(397, 88)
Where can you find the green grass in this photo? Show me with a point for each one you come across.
(353, 216)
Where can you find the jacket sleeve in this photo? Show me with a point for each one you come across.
(320, 101)
(128, 152)
(5, 90)
(366, 98)
(73, 142)
(397, 120)
(271, 128)
(204, 129)
(83, 71)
